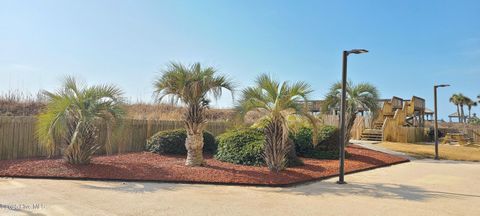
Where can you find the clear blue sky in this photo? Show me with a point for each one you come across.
(412, 44)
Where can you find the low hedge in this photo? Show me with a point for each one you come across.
(245, 146)
(326, 148)
(173, 142)
(241, 146)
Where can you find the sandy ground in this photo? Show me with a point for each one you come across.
(422, 187)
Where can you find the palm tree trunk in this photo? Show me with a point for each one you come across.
(350, 121)
(292, 158)
(71, 154)
(469, 112)
(276, 144)
(82, 144)
(463, 113)
(458, 114)
(194, 146)
(194, 124)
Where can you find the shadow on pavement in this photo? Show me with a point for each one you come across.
(390, 191)
(447, 161)
(132, 187)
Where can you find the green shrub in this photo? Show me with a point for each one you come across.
(474, 120)
(328, 137)
(173, 142)
(327, 147)
(326, 155)
(241, 146)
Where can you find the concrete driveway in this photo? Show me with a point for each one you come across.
(422, 187)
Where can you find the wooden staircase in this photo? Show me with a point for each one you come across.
(378, 125)
(406, 113)
(372, 135)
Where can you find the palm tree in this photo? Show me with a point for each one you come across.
(456, 100)
(463, 102)
(278, 101)
(73, 114)
(192, 85)
(470, 103)
(363, 96)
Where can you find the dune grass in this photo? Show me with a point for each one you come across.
(448, 152)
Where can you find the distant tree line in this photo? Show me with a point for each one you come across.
(461, 101)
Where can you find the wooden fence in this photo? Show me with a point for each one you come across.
(358, 126)
(473, 133)
(361, 122)
(393, 132)
(332, 120)
(18, 140)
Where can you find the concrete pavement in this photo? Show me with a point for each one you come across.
(421, 187)
(372, 145)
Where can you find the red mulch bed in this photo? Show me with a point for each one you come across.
(145, 166)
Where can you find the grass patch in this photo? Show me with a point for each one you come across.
(446, 151)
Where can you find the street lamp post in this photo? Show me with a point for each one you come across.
(435, 124)
(342, 112)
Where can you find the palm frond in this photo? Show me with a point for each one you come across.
(363, 95)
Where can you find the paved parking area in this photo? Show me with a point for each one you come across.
(422, 187)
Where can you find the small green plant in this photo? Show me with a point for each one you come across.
(241, 146)
(173, 142)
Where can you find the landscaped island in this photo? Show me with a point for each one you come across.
(146, 166)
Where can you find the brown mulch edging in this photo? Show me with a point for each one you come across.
(145, 166)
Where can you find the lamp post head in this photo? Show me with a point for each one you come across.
(442, 85)
(357, 51)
